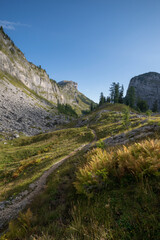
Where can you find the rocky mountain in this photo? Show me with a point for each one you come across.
(28, 97)
(147, 87)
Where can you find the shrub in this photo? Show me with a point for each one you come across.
(126, 165)
(100, 144)
(19, 228)
(66, 109)
(125, 117)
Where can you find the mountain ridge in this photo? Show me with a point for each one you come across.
(13, 61)
(23, 82)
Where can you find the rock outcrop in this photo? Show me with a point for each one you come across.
(28, 97)
(147, 87)
(13, 62)
(21, 111)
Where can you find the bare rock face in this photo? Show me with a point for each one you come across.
(13, 62)
(147, 87)
(28, 97)
(22, 112)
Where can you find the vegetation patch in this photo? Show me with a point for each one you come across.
(23, 160)
(123, 167)
(126, 208)
(66, 109)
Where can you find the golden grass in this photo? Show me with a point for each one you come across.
(132, 163)
(25, 159)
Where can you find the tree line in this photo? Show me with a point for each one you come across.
(116, 96)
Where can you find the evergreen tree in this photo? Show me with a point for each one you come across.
(116, 93)
(1, 29)
(108, 100)
(102, 99)
(121, 94)
(91, 107)
(112, 92)
(131, 97)
(155, 106)
(142, 105)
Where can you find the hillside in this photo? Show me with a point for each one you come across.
(108, 188)
(28, 97)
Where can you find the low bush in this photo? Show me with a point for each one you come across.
(123, 166)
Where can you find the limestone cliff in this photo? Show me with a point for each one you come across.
(13, 62)
(28, 97)
(147, 87)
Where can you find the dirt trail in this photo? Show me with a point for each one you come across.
(12, 210)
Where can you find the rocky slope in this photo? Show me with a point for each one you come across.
(147, 87)
(22, 111)
(28, 97)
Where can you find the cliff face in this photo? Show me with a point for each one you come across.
(147, 87)
(28, 97)
(13, 62)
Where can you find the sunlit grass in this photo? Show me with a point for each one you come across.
(25, 159)
(129, 164)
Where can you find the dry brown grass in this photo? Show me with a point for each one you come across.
(133, 163)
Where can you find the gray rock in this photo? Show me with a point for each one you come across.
(147, 87)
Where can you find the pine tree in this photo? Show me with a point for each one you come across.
(142, 105)
(131, 97)
(108, 100)
(121, 94)
(91, 107)
(102, 99)
(112, 92)
(116, 93)
(155, 106)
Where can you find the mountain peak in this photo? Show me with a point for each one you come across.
(147, 88)
(68, 83)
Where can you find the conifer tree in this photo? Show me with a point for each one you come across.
(108, 100)
(102, 99)
(116, 93)
(91, 107)
(131, 97)
(112, 92)
(121, 94)
(155, 106)
(142, 105)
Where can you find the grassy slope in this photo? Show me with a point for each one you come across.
(124, 206)
(25, 159)
(108, 120)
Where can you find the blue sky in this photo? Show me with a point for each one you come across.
(91, 42)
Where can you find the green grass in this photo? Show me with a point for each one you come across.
(111, 123)
(111, 194)
(127, 209)
(24, 160)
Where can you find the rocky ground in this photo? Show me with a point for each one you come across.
(21, 113)
(133, 135)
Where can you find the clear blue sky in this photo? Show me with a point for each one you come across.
(92, 42)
